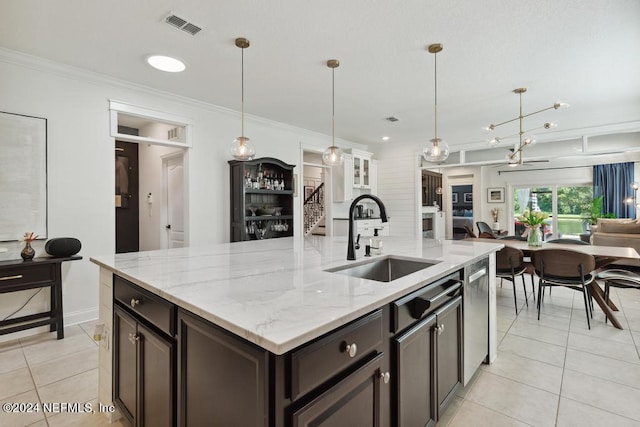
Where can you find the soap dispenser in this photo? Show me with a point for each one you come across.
(376, 243)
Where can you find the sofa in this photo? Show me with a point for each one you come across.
(618, 232)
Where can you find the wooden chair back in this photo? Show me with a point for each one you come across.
(562, 263)
(508, 258)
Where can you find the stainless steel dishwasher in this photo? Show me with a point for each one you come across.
(476, 316)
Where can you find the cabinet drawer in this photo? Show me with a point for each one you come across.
(23, 277)
(321, 360)
(159, 312)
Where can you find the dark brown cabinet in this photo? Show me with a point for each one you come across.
(144, 355)
(449, 360)
(261, 199)
(429, 365)
(415, 375)
(144, 379)
(398, 365)
(354, 401)
(223, 380)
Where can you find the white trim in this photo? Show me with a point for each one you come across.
(133, 110)
(116, 107)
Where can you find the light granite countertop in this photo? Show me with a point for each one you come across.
(275, 293)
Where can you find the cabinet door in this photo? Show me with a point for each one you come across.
(355, 401)
(366, 172)
(157, 365)
(357, 171)
(222, 380)
(449, 351)
(415, 376)
(125, 360)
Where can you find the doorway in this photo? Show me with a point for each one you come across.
(173, 205)
(315, 195)
(127, 198)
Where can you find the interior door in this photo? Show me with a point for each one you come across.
(127, 200)
(174, 168)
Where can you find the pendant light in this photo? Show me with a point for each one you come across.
(438, 151)
(333, 155)
(242, 149)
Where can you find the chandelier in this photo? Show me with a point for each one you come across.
(515, 156)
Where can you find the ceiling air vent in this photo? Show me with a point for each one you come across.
(182, 24)
(392, 119)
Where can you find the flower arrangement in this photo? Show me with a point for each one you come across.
(29, 237)
(494, 214)
(533, 219)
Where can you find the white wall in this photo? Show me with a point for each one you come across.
(151, 181)
(397, 187)
(81, 164)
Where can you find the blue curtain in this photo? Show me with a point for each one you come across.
(613, 181)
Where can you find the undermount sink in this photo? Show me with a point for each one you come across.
(383, 269)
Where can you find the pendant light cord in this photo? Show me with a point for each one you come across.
(242, 90)
(333, 107)
(435, 96)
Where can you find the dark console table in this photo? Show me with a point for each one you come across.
(18, 275)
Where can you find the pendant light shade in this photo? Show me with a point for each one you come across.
(333, 155)
(438, 150)
(242, 149)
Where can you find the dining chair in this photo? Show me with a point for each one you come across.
(509, 265)
(618, 278)
(470, 232)
(562, 267)
(483, 227)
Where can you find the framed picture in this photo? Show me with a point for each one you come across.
(454, 198)
(495, 195)
(23, 176)
(308, 191)
(467, 197)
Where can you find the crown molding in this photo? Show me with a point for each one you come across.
(67, 71)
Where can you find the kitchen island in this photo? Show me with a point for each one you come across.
(276, 301)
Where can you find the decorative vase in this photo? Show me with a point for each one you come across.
(535, 236)
(27, 252)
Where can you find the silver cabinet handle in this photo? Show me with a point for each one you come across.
(17, 276)
(385, 377)
(478, 274)
(135, 302)
(351, 349)
(440, 329)
(134, 338)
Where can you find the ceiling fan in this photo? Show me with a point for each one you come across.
(514, 158)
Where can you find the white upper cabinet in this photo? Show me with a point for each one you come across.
(357, 175)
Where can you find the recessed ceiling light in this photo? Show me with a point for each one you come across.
(166, 63)
(385, 138)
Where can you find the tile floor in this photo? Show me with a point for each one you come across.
(552, 372)
(555, 371)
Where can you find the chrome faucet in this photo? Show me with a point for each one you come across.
(351, 250)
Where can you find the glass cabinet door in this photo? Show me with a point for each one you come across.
(365, 172)
(357, 163)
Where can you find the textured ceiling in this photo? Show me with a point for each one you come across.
(584, 52)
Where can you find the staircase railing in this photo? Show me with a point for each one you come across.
(313, 209)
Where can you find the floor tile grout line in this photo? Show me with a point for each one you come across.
(495, 411)
(601, 409)
(603, 379)
(564, 365)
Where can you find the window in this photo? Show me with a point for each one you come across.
(565, 205)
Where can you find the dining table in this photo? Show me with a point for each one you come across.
(604, 255)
